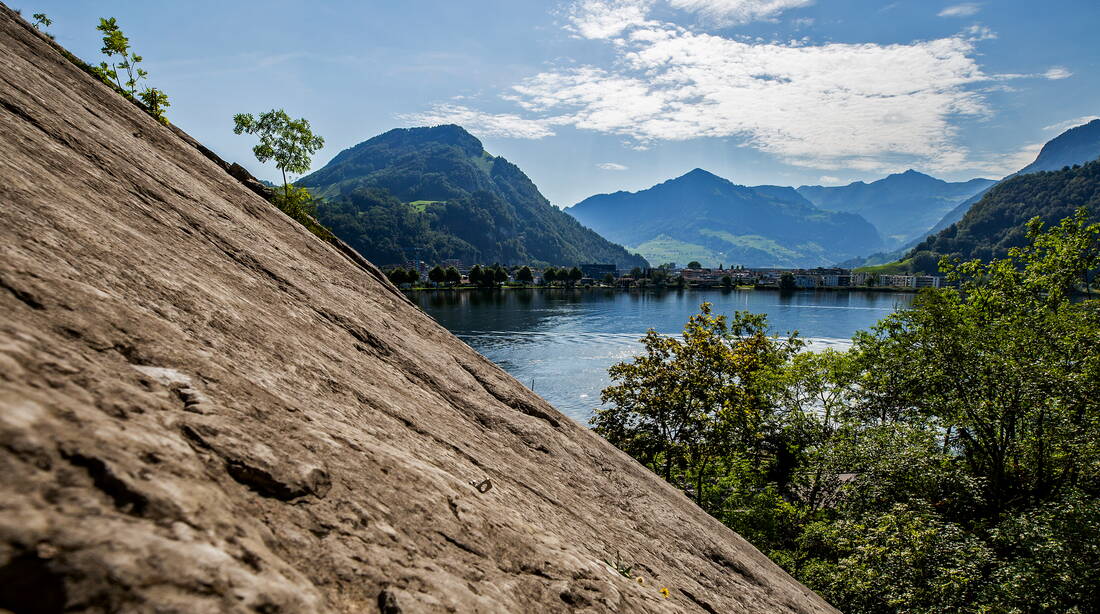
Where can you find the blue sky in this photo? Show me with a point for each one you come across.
(590, 96)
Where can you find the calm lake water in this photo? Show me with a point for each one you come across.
(561, 342)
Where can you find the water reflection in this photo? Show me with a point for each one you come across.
(561, 342)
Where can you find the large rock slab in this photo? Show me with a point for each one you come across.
(204, 408)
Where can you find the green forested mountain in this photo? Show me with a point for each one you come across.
(1074, 146)
(996, 222)
(435, 193)
(700, 216)
(902, 206)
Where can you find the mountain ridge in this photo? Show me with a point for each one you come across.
(702, 216)
(902, 206)
(434, 193)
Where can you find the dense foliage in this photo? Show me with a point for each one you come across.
(948, 462)
(995, 223)
(434, 193)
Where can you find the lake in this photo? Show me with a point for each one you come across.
(561, 342)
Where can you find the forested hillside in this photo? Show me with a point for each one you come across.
(435, 194)
(996, 222)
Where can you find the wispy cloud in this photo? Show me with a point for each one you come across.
(1001, 164)
(612, 166)
(481, 123)
(1071, 123)
(733, 12)
(1058, 72)
(966, 9)
(867, 107)
(598, 19)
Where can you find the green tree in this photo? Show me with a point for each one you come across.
(453, 276)
(500, 275)
(786, 281)
(550, 275)
(122, 63)
(694, 264)
(290, 142)
(436, 275)
(525, 275)
(397, 276)
(41, 21)
(636, 273)
(155, 102)
(575, 275)
(609, 279)
(412, 276)
(475, 275)
(727, 281)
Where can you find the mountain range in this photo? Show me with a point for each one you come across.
(434, 194)
(902, 206)
(1077, 145)
(701, 216)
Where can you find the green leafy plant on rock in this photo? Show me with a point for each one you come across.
(122, 63)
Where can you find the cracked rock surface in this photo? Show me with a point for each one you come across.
(205, 408)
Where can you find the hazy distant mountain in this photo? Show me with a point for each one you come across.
(436, 194)
(902, 206)
(1074, 146)
(700, 216)
(995, 223)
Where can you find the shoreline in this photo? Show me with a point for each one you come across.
(886, 289)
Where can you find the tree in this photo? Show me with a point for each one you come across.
(786, 281)
(41, 21)
(609, 279)
(524, 275)
(500, 275)
(453, 276)
(686, 404)
(116, 45)
(290, 142)
(575, 275)
(727, 281)
(636, 273)
(397, 276)
(412, 276)
(155, 102)
(550, 275)
(436, 275)
(475, 275)
(694, 264)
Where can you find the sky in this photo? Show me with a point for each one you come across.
(592, 96)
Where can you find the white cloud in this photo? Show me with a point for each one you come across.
(480, 123)
(612, 166)
(1071, 123)
(980, 32)
(599, 19)
(830, 180)
(860, 106)
(731, 12)
(966, 9)
(1058, 72)
(999, 165)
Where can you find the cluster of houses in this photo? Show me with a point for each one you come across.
(763, 277)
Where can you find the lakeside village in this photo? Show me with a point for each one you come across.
(453, 274)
